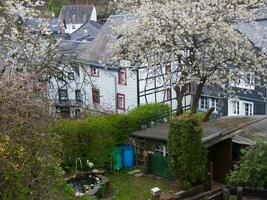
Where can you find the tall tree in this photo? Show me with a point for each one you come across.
(29, 152)
(198, 38)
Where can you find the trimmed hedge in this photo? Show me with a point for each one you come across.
(92, 138)
(187, 156)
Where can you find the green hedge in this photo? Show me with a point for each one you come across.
(93, 137)
(187, 156)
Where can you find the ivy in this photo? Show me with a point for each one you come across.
(187, 156)
(253, 169)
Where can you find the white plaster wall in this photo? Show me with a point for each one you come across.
(94, 15)
(70, 28)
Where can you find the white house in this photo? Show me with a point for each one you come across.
(120, 87)
(74, 16)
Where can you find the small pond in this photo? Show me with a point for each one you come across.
(89, 183)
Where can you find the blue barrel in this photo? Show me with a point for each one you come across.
(128, 156)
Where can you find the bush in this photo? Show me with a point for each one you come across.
(29, 152)
(56, 5)
(253, 169)
(93, 138)
(149, 115)
(187, 156)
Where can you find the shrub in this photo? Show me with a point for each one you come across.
(93, 137)
(253, 169)
(29, 152)
(148, 115)
(56, 5)
(187, 156)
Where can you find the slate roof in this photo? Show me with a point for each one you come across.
(87, 31)
(260, 13)
(256, 32)
(72, 49)
(53, 24)
(101, 50)
(76, 14)
(217, 130)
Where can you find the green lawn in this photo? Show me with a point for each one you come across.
(128, 187)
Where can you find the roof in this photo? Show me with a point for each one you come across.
(53, 24)
(87, 31)
(256, 31)
(72, 49)
(260, 13)
(76, 14)
(215, 131)
(101, 50)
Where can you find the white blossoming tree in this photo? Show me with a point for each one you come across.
(29, 152)
(198, 38)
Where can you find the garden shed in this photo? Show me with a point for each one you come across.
(222, 137)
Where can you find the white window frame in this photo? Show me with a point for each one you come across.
(208, 103)
(242, 82)
(238, 107)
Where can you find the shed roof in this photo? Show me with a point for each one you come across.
(76, 14)
(215, 131)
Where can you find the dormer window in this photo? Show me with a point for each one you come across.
(94, 72)
(85, 31)
(168, 68)
(245, 80)
(122, 77)
(73, 19)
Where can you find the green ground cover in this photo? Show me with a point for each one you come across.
(128, 187)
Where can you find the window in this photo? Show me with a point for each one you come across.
(168, 69)
(120, 102)
(76, 70)
(168, 94)
(60, 75)
(187, 88)
(236, 107)
(240, 107)
(63, 94)
(122, 77)
(203, 103)
(206, 103)
(71, 75)
(95, 96)
(248, 108)
(94, 72)
(78, 95)
(214, 104)
(245, 80)
(77, 112)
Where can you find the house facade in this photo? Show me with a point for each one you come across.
(118, 88)
(74, 16)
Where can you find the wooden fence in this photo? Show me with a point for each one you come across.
(222, 193)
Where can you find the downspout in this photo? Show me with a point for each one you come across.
(138, 87)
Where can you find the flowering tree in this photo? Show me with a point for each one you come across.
(199, 39)
(29, 152)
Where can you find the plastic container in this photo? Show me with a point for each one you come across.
(128, 156)
(117, 158)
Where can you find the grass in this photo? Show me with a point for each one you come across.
(128, 187)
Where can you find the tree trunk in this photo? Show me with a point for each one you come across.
(197, 96)
(179, 98)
